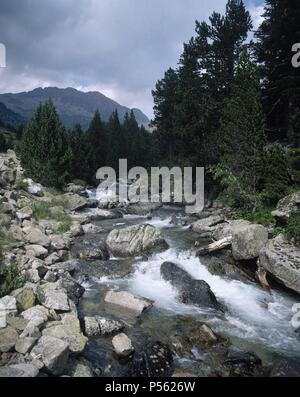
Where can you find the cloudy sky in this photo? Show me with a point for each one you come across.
(118, 47)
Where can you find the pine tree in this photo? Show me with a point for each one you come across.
(44, 151)
(79, 148)
(96, 139)
(114, 132)
(135, 136)
(281, 81)
(276, 178)
(242, 131)
(189, 101)
(166, 101)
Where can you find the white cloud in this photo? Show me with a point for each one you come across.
(119, 47)
(257, 15)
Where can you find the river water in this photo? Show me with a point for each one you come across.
(254, 321)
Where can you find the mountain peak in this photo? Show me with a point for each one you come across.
(73, 106)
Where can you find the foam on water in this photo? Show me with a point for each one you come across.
(252, 313)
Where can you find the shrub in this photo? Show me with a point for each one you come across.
(293, 228)
(262, 215)
(235, 192)
(79, 182)
(21, 185)
(275, 178)
(10, 279)
(294, 164)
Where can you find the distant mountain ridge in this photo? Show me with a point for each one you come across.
(73, 106)
(8, 117)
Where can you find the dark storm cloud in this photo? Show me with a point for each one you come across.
(120, 47)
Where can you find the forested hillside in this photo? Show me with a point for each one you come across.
(232, 105)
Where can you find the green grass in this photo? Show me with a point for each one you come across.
(42, 210)
(262, 216)
(11, 279)
(64, 226)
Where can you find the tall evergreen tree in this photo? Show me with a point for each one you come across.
(44, 151)
(115, 149)
(242, 131)
(136, 154)
(281, 81)
(204, 77)
(79, 147)
(166, 101)
(96, 139)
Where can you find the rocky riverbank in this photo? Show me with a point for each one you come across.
(58, 242)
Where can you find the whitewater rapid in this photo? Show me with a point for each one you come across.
(252, 315)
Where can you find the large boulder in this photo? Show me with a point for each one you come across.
(55, 299)
(8, 339)
(36, 251)
(100, 326)
(92, 252)
(69, 331)
(19, 371)
(286, 207)
(128, 301)
(206, 226)
(24, 214)
(135, 240)
(74, 202)
(36, 189)
(59, 242)
(66, 267)
(8, 306)
(25, 298)
(226, 229)
(98, 214)
(38, 314)
(24, 345)
(54, 353)
(9, 175)
(247, 241)
(142, 209)
(73, 289)
(90, 228)
(282, 261)
(191, 291)
(36, 237)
